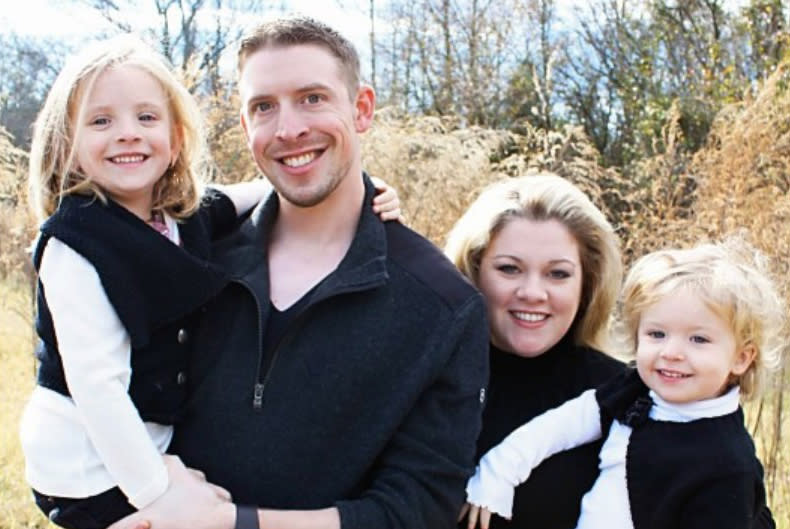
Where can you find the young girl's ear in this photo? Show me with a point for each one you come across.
(176, 143)
(743, 359)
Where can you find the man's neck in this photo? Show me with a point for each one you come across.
(332, 221)
(307, 244)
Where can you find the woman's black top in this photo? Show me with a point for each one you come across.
(522, 388)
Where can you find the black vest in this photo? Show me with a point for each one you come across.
(155, 286)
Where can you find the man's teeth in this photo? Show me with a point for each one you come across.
(134, 158)
(302, 159)
(530, 316)
(672, 374)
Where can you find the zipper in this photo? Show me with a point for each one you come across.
(261, 382)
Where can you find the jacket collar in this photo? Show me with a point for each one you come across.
(244, 255)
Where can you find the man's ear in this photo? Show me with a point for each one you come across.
(743, 359)
(364, 105)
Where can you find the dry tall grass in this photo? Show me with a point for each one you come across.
(739, 181)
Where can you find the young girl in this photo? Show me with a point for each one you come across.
(123, 264)
(705, 324)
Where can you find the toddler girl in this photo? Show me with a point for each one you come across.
(705, 324)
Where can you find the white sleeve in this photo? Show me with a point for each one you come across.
(245, 195)
(510, 463)
(95, 350)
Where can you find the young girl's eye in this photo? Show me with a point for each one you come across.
(100, 121)
(656, 334)
(699, 339)
(147, 116)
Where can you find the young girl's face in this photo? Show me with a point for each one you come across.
(685, 351)
(125, 136)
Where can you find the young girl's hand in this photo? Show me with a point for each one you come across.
(475, 514)
(386, 203)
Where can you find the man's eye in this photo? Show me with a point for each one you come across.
(262, 107)
(313, 99)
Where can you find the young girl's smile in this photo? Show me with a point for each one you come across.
(125, 136)
(685, 351)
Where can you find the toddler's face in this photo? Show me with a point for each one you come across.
(685, 351)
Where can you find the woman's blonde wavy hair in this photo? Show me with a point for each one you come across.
(732, 278)
(544, 197)
(53, 172)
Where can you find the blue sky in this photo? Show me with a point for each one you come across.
(73, 21)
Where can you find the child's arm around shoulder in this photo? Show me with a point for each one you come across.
(501, 469)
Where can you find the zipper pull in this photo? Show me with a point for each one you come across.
(257, 396)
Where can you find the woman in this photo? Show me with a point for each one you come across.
(547, 262)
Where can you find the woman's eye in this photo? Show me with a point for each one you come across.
(559, 274)
(507, 269)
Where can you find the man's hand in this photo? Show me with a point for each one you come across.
(189, 501)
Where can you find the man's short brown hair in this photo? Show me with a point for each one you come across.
(294, 31)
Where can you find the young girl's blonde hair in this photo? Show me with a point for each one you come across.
(732, 279)
(53, 172)
(544, 197)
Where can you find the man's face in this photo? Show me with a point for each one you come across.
(300, 122)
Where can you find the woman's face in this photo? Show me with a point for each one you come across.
(531, 278)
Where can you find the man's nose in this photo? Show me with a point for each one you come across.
(291, 123)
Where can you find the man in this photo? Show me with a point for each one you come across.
(338, 380)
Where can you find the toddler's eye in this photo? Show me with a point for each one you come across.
(100, 121)
(147, 117)
(699, 339)
(656, 334)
